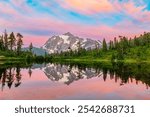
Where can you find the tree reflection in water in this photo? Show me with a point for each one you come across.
(10, 76)
(116, 71)
(68, 73)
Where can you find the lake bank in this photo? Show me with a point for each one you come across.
(99, 60)
(80, 60)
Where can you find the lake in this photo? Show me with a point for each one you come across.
(67, 81)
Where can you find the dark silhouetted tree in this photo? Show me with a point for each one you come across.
(11, 41)
(30, 47)
(6, 40)
(1, 43)
(104, 45)
(19, 43)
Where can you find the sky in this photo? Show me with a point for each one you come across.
(38, 20)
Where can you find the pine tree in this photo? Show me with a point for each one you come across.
(79, 46)
(6, 40)
(30, 47)
(19, 43)
(111, 45)
(104, 45)
(96, 45)
(11, 41)
(136, 41)
(1, 43)
(130, 42)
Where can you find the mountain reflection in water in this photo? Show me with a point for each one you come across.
(122, 74)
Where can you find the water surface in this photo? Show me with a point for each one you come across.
(70, 81)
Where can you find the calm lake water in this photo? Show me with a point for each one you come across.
(55, 81)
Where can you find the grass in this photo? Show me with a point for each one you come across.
(11, 59)
(139, 54)
(133, 55)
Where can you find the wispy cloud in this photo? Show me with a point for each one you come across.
(38, 20)
(88, 6)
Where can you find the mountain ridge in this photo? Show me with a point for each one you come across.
(36, 50)
(67, 41)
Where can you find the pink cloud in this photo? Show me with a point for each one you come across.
(138, 13)
(22, 5)
(101, 6)
(7, 9)
(88, 6)
(131, 9)
(52, 25)
(25, 23)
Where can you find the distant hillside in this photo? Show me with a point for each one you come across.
(37, 51)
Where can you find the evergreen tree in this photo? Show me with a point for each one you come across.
(12, 41)
(104, 45)
(79, 46)
(131, 43)
(30, 47)
(1, 43)
(19, 43)
(111, 45)
(136, 41)
(115, 43)
(6, 40)
(96, 45)
(19, 46)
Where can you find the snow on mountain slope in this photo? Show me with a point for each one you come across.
(66, 74)
(67, 41)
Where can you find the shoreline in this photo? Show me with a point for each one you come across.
(79, 60)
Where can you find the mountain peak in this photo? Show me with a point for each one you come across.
(68, 34)
(61, 43)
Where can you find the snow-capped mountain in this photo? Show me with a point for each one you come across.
(67, 41)
(67, 74)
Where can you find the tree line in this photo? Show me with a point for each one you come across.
(123, 45)
(11, 45)
(11, 42)
(118, 48)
